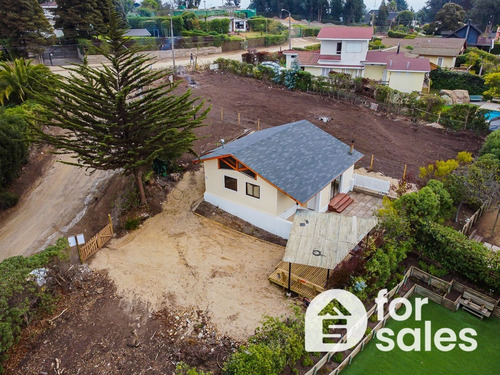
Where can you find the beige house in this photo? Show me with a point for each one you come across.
(396, 70)
(264, 177)
(442, 52)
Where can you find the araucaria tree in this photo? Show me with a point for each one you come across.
(121, 115)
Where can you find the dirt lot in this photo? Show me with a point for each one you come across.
(94, 332)
(180, 259)
(394, 142)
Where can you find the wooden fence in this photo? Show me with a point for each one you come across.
(473, 219)
(442, 288)
(95, 243)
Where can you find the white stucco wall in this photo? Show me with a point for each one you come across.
(346, 181)
(406, 81)
(214, 184)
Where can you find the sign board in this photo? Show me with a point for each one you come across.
(214, 66)
(78, 239)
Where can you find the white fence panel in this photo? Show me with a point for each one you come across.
(372, 183)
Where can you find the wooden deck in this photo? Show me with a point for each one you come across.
(306, 281)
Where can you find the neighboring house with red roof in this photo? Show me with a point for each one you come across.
(345, 50)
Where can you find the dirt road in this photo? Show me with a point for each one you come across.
(206, 59)
(178, 258)
(49, 209)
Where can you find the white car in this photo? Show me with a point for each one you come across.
(273, 65)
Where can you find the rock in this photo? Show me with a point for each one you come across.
(175, 177)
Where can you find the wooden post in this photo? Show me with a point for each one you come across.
(222, 114)
(404, 173)
(327, 277)
(239, 119)
(110, 223)
(289, 277)
(371, 164)
(78, 249)
(258, 124)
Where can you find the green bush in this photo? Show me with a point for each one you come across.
(464, 116)
(396, 34)
(443, 79)
(7, 200)
(454, 251)
(184, 369)
(13, 143)
(491, 145)
(21, 299)
(277, 344)
(132, 224)
(338, 357)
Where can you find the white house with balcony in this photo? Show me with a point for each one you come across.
(346, 50)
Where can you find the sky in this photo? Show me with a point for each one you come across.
(416, 4)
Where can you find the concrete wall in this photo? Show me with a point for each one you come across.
(375, 72)
(270, 223)
(161, 55)
(284, 204)
(406, 81)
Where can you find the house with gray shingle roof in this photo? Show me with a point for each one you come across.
(264, 177)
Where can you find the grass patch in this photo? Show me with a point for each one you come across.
(484, 360)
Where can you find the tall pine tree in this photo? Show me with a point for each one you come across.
(24, 27)
(121, 115)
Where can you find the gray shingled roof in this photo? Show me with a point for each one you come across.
(299, 158)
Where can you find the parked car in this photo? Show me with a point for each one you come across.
(273, 65)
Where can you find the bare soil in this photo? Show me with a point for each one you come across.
(394, 141)
(94, 331)
(220, 216)
(180, 258)
(485, 224)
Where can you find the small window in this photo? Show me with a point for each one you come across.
(440, 61)
(230, 183)
(339, 48)
(253, 190)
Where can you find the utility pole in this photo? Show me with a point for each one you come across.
(172, 40)
(289, 28)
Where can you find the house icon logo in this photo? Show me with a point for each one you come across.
(336, 320)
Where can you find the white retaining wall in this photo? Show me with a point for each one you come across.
(272, 224)
(371, 183)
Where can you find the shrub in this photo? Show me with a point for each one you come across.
(7, 200)
(454, 251)
(21, 299)
(278, 343)
(184, 369)
(396, 34)
(464, 116)
(132, 224)
(338, 357)
(492, 145)
(13, 143)
(449, 80)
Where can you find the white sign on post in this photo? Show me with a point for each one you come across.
(76, 240)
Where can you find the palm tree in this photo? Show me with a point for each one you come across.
(20, 80)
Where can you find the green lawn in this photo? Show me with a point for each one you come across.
(485, 360)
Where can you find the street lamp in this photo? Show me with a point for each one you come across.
(289, 28)
(172, 40)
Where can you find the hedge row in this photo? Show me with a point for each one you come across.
(443, 79)
(457, 253)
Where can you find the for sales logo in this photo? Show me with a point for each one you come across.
(336, 320)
